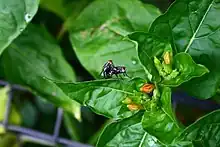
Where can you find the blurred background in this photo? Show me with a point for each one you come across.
(33, 112)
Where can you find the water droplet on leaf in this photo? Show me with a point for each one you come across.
(27, 17)
(134, 61)
(21, 29)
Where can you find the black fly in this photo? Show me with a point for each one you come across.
(109, 69)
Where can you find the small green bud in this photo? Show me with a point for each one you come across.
(159, 67)
(167, 68)
(156, 94)
(127, 101)
(153, 106)
(173, 75)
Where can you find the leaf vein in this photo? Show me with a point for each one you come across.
(194, 35)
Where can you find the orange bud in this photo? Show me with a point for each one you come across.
(134, 107)
(167, 58)
(147, 88)
(127, 101)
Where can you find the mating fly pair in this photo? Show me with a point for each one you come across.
(109, 69)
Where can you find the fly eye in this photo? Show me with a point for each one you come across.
(123, 69)
(110, 61)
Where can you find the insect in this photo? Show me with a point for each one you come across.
(109, 69)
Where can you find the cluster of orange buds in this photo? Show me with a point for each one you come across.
(147, 88)
(134, 107)
(131, 105)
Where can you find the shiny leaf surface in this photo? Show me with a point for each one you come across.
(187, 69)
(193, 27)
(203, 132)
(104, 96)
(64, 8)
(98, 36)
(14, 17)
(162, 122)
(34, 55)
(129, 133)
(150, 46)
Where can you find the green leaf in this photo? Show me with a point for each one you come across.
(33, 55)
(204, 132)
(98, 36)
(15, 117)
(128, 132)
(187, 69)
(192, 27)
(14, 17)
(195, 87)
(148, 47)
(104, 96)
(155, 12)
(162, 122)
(64, 8)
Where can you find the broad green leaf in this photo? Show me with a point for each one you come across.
(195, 86)
(15, 117)
(14, 17)
(104, 96)
(192, 27)
(187, 69)
(149, 46)
(162, 123)
(203, 132)
(33, 55)
(97, 34)
(155, 12)
(127, 132)
(182, 144)
(64, 8)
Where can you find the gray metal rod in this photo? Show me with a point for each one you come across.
(44, 137)
(7, 109)
(58, 123)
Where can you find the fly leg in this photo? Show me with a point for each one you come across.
(120, 77)
(116, 76)
(125, 74)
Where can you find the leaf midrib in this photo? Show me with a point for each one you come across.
(118, 90)
(142, 140)
(198, 28)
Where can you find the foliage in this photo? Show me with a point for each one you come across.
(161, 52)
(15, 117)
